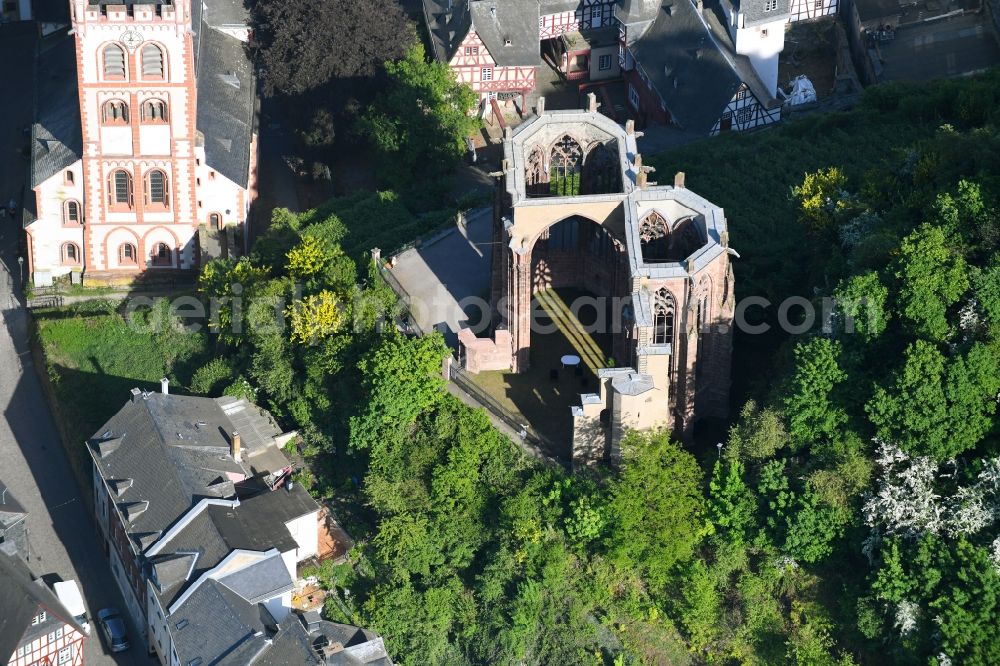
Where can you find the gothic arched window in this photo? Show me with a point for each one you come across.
(654, 235)
(601, 173)
(565, 160)
(663, 317)
(536, 175)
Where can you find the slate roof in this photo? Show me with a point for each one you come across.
(259, 522)
(225, 13)
(21, 595)
(261, 581)
(56, 139)
(636, 11)
(299, 640)
(754, 12)
(446, 28)
(509, 29)
(692, 67)
(175, 451)
(226, 101)
(218, 625)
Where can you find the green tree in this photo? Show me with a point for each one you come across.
(229, 285)
(420, 124)
(731, 503)
(932, 277)
(811, 411)
(863, 302)
(821, 196)
(656, 506)
(402, 378)
(936, 407)
(758, 434)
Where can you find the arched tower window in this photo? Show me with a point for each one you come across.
(120, 190)
(663, 317)
(566, 159)
(152, 62)
(154, 111)
(114, 62)
(70, 253)
(115, 112)
(156, 189)
(127, 254)
(162, 255)
(71, 213)
(601, 172)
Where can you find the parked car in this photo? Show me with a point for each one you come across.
(69, 594)
(113, 627)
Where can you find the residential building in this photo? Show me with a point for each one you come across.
(35, 628)
(144, 149)
(189, 490)
(703, 68)
(13, 526)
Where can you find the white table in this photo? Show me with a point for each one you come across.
(570, 360)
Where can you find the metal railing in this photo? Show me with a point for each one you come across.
(403, 296)
(535, 442)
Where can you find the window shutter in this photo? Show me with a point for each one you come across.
(114, 62)
(152, 61)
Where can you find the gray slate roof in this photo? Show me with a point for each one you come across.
(21, 597)
(692, 67)
(261, 581)
(509, 29)
(219, 626)
(175, 450)
(224, 13)
(754, 11)
(495, 21)
(56, 139)
(259, 522)
(226, 102)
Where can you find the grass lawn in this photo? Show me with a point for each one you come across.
(94, 357)
(543, 401)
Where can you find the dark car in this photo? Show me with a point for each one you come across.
(113, 628)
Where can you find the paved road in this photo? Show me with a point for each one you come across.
(942, 48)
(63, 539)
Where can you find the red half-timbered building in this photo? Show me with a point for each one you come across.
(35, 628)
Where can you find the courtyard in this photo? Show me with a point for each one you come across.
(542, 396)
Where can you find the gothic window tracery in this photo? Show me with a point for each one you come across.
(654, 233)
(663, 317)
(536, 175)
(601, 173)
(566, 158)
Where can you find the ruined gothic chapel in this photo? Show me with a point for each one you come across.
(574, 208)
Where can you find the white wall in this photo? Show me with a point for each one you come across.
(159, 637)
(305, 531)
(48, 231)
(762, 44)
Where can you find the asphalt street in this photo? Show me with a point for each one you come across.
(63, 537)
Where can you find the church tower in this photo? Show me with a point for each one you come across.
(144, 147)
(136, 77)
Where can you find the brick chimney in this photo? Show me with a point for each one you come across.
(165, 386)
(136, 395)
(234, 445)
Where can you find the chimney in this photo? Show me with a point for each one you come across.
(591, 102)
(679, 180)
(136, 395)
(540, 106)
(234, 446)
(165, 386)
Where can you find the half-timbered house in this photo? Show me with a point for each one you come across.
(682, 69)
(35, 628)
(491, 46)
(804, 10)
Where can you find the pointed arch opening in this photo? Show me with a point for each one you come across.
(663, 317)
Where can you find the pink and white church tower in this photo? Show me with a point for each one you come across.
(143, 161)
